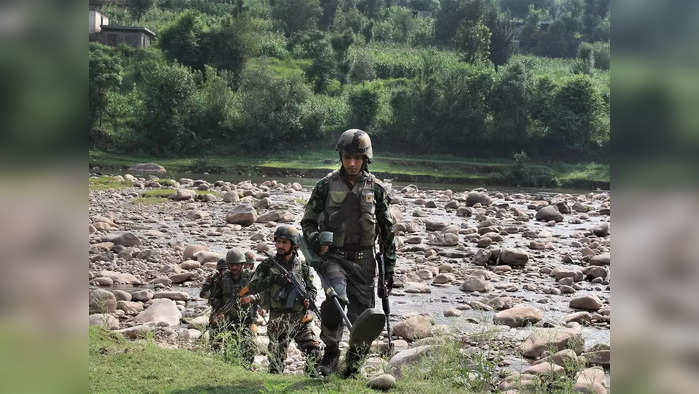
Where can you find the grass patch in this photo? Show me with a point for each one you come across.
(159, 196)
(119, 365)
(107, 183)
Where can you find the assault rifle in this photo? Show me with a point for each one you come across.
(300, 289)
(383, 293)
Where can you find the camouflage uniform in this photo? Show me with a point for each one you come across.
(288, 315)
(237, 319)
(356, 215)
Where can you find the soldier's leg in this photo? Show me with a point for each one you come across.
(278, 331)
(309, 344)
(332, 325)
(361, 298)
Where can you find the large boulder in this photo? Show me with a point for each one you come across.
(548, 213)
(102, 301)
(104, 320)
(518, 316)
(147, 169)
(513, 257)
(243, 214)
(414, 327)
(399, 360)
(474, 198)
(554, 339)
(160, 311)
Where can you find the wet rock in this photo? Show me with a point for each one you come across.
(160, 311)
(123, 238)
(104, 320)
(414, 327)
(591, 380)
(587, 302)
(142, 295)
(382, 382)
(184, 194)
(130, 307)
(513, 257)
(242, 214)
(518, 316)
(173, 295)
(147, 169)
(399, 360)
(555, 339)
(549, 213)
(102, 301)
(601, 259)
(474, 198)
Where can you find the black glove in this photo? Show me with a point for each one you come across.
(388, 281)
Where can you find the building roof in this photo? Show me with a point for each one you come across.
(127, 29)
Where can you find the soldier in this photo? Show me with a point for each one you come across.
(212, 282)
(289, 312)
(228, 313)
(354, 206)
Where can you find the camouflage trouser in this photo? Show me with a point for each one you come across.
(283, 327)
(356, 289)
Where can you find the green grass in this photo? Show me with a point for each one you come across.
(159, 196)
(107, 182)
(119, 365)
(458, 169)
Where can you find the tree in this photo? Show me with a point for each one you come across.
(323, 67)
(138, 8)
(227, 46)
(105, 74)
(327, 19)
(520, 8)
(169, 91)
(364, 105)
(181, 41)
(473, 42)
(294, 16)
(510, 105)
(502, 38)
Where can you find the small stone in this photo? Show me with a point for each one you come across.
(586, 302)
(382, 382)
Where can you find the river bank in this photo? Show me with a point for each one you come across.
(510, 276)
(435, 169)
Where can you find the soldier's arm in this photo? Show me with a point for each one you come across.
(385, 224)
(206, 287)
(308, 278)
(258, 281)
(314, 208)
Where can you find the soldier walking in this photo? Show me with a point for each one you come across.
(290, 317)
(354, 206)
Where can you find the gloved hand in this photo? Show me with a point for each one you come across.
(388, 281)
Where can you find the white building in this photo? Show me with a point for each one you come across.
(97, 19)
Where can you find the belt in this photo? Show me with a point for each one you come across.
(354, 254)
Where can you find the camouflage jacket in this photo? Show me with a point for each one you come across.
(317, 206)
(276, 293)
(209, 287)
(225, 296)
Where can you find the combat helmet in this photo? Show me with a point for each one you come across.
(235, 256)
(286, 231)
(221, 265)
(355, 141)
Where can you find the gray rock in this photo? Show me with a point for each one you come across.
(513, 257)
(147, 169)
(548, 213)
(444, 278)
(121, 277)
(103, 281)
(555, 339)
(414, 327)
(243, 214)
(602, 230)
(382, 382)
(601, 259)
(183, 277)
(160, 311)
(518, 316)
(122, 295)
(474, 198)
(130, 307)
(591, 380)
(231, 197)
(184, 194)
(205, 256)
(173, 295)
(135, 332)
(399, 360)
(472, 283)
(123, 238)
(434, 226)
(587, 302)
(102, 301)
(104, 320)
(142, 295)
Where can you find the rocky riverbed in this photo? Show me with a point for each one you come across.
(530, 270)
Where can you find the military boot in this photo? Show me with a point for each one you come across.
(328, 364)
(353, 360)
